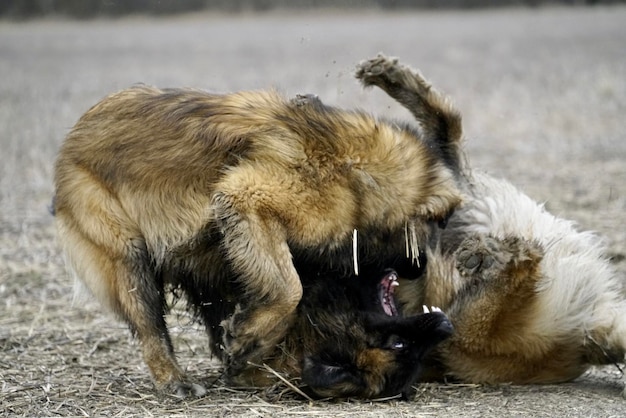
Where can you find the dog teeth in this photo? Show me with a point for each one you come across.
(355, 251)
(432, 309)
(393, 279)
(425, 309)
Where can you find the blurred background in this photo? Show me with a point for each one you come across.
(92, 8)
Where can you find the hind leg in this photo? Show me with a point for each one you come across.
(126, 284)
(441, 123)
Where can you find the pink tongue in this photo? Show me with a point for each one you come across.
(386, 289)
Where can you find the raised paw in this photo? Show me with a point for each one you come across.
(488, 256)
(376, 71)
(440, 122)
(480, 254)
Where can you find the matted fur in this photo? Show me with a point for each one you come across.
(183, 187)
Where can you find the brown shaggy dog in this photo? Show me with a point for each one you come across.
(157, 185)
(532, 299)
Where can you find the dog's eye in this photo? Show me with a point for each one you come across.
(399, 345)
(396, 343)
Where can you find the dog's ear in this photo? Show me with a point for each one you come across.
(327, 374)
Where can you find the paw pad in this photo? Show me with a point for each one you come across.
(472, 262)
(478, 254)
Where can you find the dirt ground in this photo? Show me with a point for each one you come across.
(543, 95)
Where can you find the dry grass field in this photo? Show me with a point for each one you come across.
(543, 95)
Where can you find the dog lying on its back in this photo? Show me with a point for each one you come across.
(532, 299)
(157, 185)
(349, 338)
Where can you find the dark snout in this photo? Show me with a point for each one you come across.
(434, 325)
(444, 328)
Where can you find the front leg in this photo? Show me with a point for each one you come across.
(255, 245)
(500, 285)
(440, 121)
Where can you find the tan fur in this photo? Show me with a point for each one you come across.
(152, 184)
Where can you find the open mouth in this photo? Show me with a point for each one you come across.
(386, 289)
